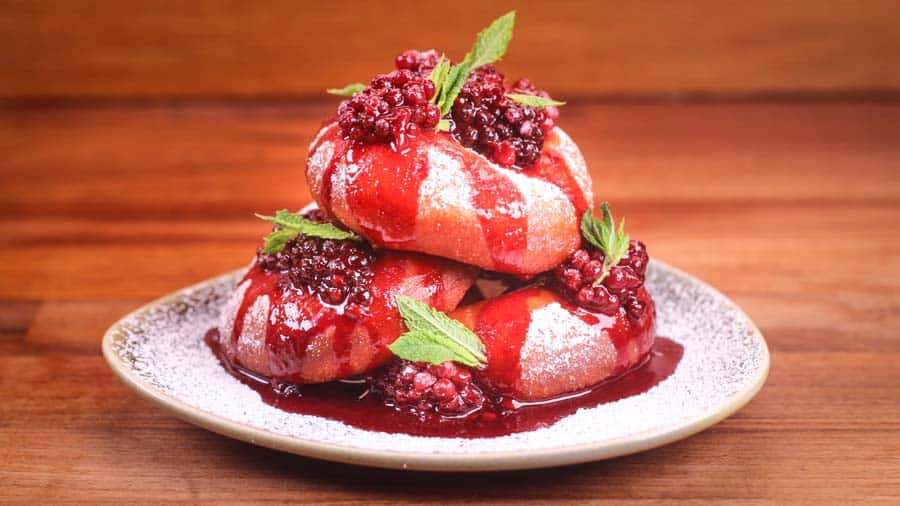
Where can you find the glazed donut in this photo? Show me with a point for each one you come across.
(437, 197)
(540, 346)
(287, 334)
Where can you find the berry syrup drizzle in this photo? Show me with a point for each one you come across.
(315, 314)
(391, 176)
(353, 402)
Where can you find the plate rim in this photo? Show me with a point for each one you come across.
(433, 461)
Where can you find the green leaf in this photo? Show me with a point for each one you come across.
(455, 81)
(276, 240)
(433, 329)
(419, 347)
(590, 230)
(491, 43)
(292, 225)
(534, 100)
(604, 236)
(347, 91)
(283, 218)
(439, 77)
(443, 125)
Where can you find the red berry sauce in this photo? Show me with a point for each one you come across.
(287, 345)
(355, 403)
(388, 178)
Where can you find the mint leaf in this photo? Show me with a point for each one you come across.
(490, 46)
(347, 91)
(292, 225)
(604, 236)
(454, 83)
(420, 347)
(276, 240)
(434, 337)
(534, 100)
(439, 77)
(443, 125)
(491, 43)
(284, 218)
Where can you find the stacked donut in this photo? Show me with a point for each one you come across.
(464, 227)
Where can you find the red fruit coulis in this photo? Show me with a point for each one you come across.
(383, 199)
(288, 345)
(345, 401)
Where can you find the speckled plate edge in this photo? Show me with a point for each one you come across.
(483, 461)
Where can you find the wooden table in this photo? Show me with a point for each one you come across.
(792, 209)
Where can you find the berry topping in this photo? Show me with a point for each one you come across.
(394, 107)
(486, 120)
(420, 62)
(427, 390)
(338, 271)
(577, 279)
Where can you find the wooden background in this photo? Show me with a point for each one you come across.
(101, 49)
(756, 145)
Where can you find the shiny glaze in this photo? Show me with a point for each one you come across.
(551, 167)
(347, 402)
(503, 324)
(383, 185)
(341, 346)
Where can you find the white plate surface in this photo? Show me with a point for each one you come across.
(158, 351)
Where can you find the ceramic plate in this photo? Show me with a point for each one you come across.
(158, 351)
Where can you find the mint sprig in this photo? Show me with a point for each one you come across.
(434, 337)
(292, 224)
(603, 235)
(438, 76)
(535, 101)
(347, 91)
(490, 45)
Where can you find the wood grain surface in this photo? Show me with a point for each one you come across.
(102, 48)
(791, 209)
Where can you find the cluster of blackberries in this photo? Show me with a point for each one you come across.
(577, 275)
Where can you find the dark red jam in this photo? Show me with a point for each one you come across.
(486, 120)
(397, 105)
(392, 109)
(355, 403)
(421, 62)
(575, 278)
(425, 390)
(339, 272)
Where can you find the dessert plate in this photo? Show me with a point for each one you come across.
(159, 351)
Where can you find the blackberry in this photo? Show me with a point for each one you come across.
(576, 276)
(420, 62)
(486, 120)
(426, 390)
(393, 108)
(339, 272)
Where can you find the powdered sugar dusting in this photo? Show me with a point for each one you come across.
(229, 312)
(317, 164)
(560, 346)
(446, 185)
(723, 356)
(575, 162)
(445, 206)
(543, 226)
